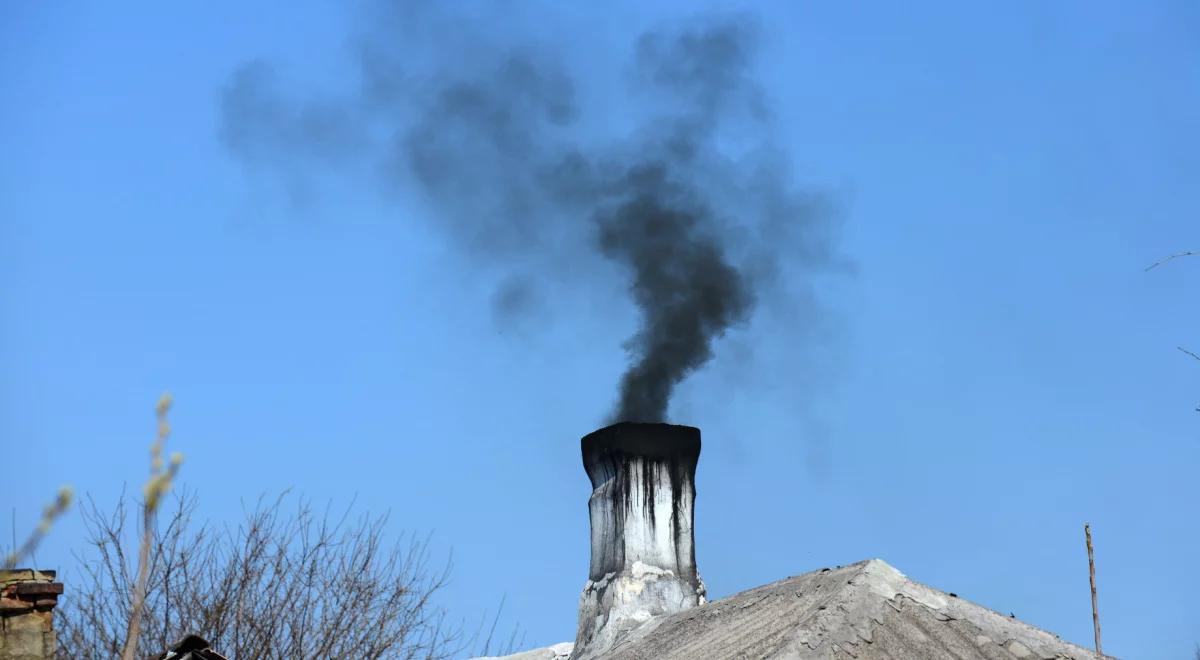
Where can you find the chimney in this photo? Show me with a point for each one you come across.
(643, 556)
(27, 600)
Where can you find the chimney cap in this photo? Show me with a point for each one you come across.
(651, 440)
(606, 448)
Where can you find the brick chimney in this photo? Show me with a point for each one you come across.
(643, 558)
(27, 600)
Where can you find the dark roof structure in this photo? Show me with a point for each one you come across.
(192, 647)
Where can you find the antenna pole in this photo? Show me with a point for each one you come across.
(1087, 531)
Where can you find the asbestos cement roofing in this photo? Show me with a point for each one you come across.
(865, 611)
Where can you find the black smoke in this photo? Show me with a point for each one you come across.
(693, 202)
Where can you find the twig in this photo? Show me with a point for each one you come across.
(1168, 258)
(1087, 531)
(49, 514)
(1184, 350)
(1163, 261)
(156, 487)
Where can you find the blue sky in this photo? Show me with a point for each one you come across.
(995, 369)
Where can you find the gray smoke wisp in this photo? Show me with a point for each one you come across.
(692, 203)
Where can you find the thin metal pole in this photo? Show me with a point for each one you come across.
(1087, 531)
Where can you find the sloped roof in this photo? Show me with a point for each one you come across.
(865, 611)
(560, 651)
(192, 647)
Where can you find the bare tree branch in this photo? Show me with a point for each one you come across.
(1159, 263)
(156, 487)
(282, 584)
(1168, 258)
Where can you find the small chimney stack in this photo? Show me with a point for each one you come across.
(643, 555)
(27, 600)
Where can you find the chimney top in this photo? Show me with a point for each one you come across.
(27, 600)
(604, 448)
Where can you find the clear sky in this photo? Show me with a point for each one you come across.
(994, 370)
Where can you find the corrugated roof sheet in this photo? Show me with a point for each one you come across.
(865, 611)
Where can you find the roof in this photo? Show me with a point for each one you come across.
(865, 611)
(561, 651)
(192, 647)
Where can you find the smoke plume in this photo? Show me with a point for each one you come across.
(692, 203)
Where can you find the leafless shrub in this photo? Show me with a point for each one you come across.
(282, 584)
(483, 645)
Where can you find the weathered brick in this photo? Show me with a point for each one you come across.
(38, 588)
(10, 606)
(16, 574)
